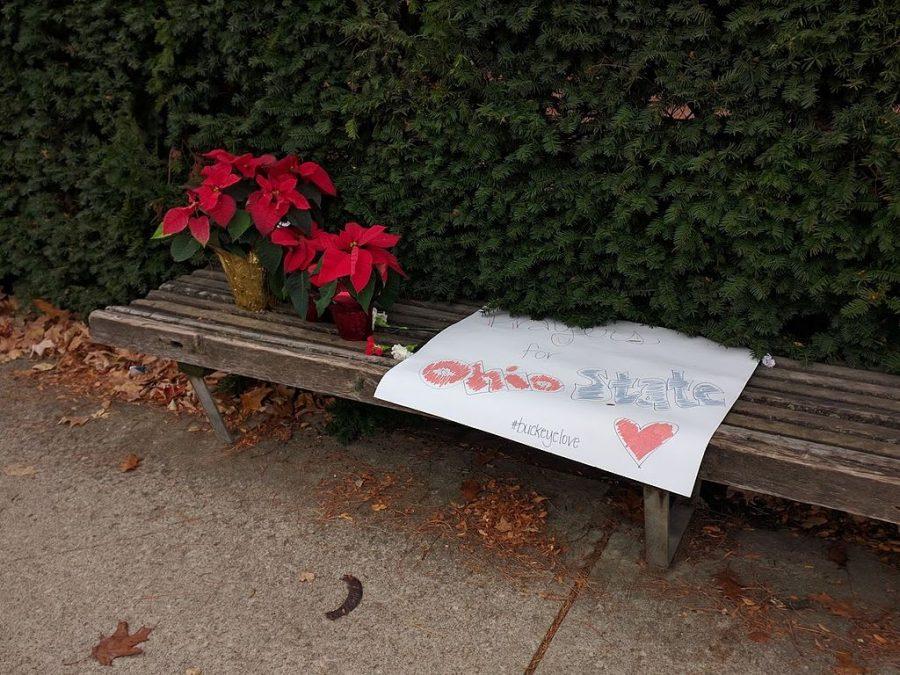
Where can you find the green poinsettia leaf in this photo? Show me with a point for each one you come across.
(311, 192)
(158, 233)
(239, 224)
(276, 283)
(391, 290)
(326, 293)
(300, 219)
(364, 297)
(242, 189)
(269, 254)
(184, 246)
(297, 287)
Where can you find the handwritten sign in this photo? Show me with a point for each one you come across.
(638, 401)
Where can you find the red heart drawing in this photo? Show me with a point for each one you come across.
(640, 441)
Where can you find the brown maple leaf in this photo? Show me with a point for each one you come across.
(119, 644)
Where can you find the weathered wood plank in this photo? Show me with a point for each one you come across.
(816, 392)
(336, 376)
(817, 406)
(793, 430)
(288, 317)
(265, 324)
(828, 382)
(827, 422)
(841, 372)
(351, 353)
(415, 326)
(782, 472)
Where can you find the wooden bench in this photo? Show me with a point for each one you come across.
(814, 433)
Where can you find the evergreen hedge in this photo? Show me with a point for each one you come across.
(724, 168)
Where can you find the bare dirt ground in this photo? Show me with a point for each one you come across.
(475, 556)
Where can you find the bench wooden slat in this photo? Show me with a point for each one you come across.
(400, 316)
(828, 382)
(817, 406)
(288, 317)
(833, 423)
(813, 473)
(812, 391)
(794, 430)
(307, 368)
(842, 372)
(319, 343)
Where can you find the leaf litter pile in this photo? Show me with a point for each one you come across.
(499, 518)
(502, 517)
(63, 354)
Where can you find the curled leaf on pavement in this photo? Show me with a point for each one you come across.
(130, 463)
(354, 597)
(119, 644)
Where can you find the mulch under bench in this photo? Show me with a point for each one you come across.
(815, 433)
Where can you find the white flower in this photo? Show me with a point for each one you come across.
(400, 352)
(768, 361)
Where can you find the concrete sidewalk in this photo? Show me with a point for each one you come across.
(207, 546)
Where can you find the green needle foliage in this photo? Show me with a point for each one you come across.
(725, 168)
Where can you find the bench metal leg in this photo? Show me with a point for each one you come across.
(195, 375)
(666, 517)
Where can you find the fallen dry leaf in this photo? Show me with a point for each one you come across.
(42, 346)
(730, 585)
(251, 401)
(846, 665)
(305, 577)
(19, 471)
(130, 463)
(835, 607)
(759, 636)
(119, 644)
(75, 421)
(470, 489)
(503, 525)
(43, 367)
(379, 506)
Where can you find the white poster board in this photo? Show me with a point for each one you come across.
(637, 401)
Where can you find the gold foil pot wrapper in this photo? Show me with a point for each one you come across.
(247, 278)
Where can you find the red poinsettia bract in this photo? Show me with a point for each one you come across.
(246, 164)
(354, 253)
(180, 217)
(301, 250)
(273, 200)
(308, 171)
(219, 206)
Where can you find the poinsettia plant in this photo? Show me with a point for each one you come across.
(247, 203)
(356, 260)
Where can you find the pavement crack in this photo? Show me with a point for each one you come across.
(581, 579)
